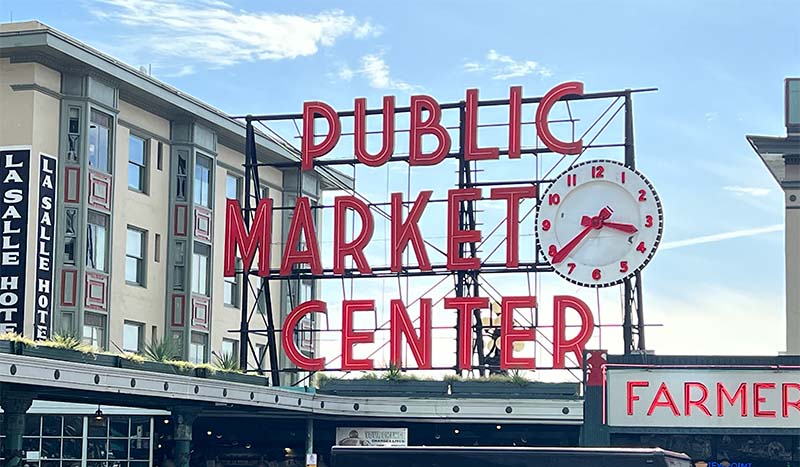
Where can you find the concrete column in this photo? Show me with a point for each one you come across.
(184, 419)
(792, 245)
(309, 438)
(15, 404)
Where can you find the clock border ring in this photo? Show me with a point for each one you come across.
(656, 243)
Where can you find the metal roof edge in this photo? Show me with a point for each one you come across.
(107, 64)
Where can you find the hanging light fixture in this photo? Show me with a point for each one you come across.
(98, 414)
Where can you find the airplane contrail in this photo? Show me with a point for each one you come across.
(721, 236)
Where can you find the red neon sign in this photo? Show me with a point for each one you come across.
(302, 246)
(431, 125)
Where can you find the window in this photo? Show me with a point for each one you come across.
(132, 337)
(233, 187)
(303, 334)
(67, 326)
(231, 288)
(262, 356)
(306, 291)
(94, 330)
(99, 141)
(197, 348)
(157, 249)
(135, 247)
(97, 241)
(230, 347)
(793, 102)
(202, 181)
(200, 268)
(137, 164)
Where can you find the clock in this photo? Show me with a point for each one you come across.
(599, 223)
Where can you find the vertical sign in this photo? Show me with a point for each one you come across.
(14, 177)
(45, 246)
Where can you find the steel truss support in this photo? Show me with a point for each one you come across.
(468, 282)
(252, 192)
(633, 320)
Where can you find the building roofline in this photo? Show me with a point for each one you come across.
(38, 37)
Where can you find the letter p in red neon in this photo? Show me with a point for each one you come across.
(309, 149)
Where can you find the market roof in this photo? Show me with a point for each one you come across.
(35, 41)
(777, 152)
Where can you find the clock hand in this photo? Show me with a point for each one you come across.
(562, 253)
(594, 223)
(627, 228)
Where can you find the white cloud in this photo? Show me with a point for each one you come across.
(376, 71)
(721, 236)
(346, 73)
(213, 33)
(747, 190)
(504, 67)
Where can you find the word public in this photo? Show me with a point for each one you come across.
(426, 114)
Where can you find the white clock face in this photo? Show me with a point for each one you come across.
(599, 223)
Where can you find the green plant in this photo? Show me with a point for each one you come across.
(185, 366)
(226, 361)
(395, 373)
(14, 337)
(518, 378)
(134, 357)
(67, 340)
(163, 350)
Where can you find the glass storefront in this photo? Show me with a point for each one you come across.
(87, 440)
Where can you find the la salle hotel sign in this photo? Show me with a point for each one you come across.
(302, 245)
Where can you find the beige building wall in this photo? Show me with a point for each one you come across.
(33, 108)
(145, 211)
(33, 92)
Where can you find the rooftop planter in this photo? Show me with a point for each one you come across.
(168, 368)
(60, 347)
(230, 376)
(390, 385)
(513, 388)
(68, 355)
(9, 347)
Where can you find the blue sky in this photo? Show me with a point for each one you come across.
(716, 285)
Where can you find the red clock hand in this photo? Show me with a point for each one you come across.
(562, 253)
(594, 223)
(627, 228)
